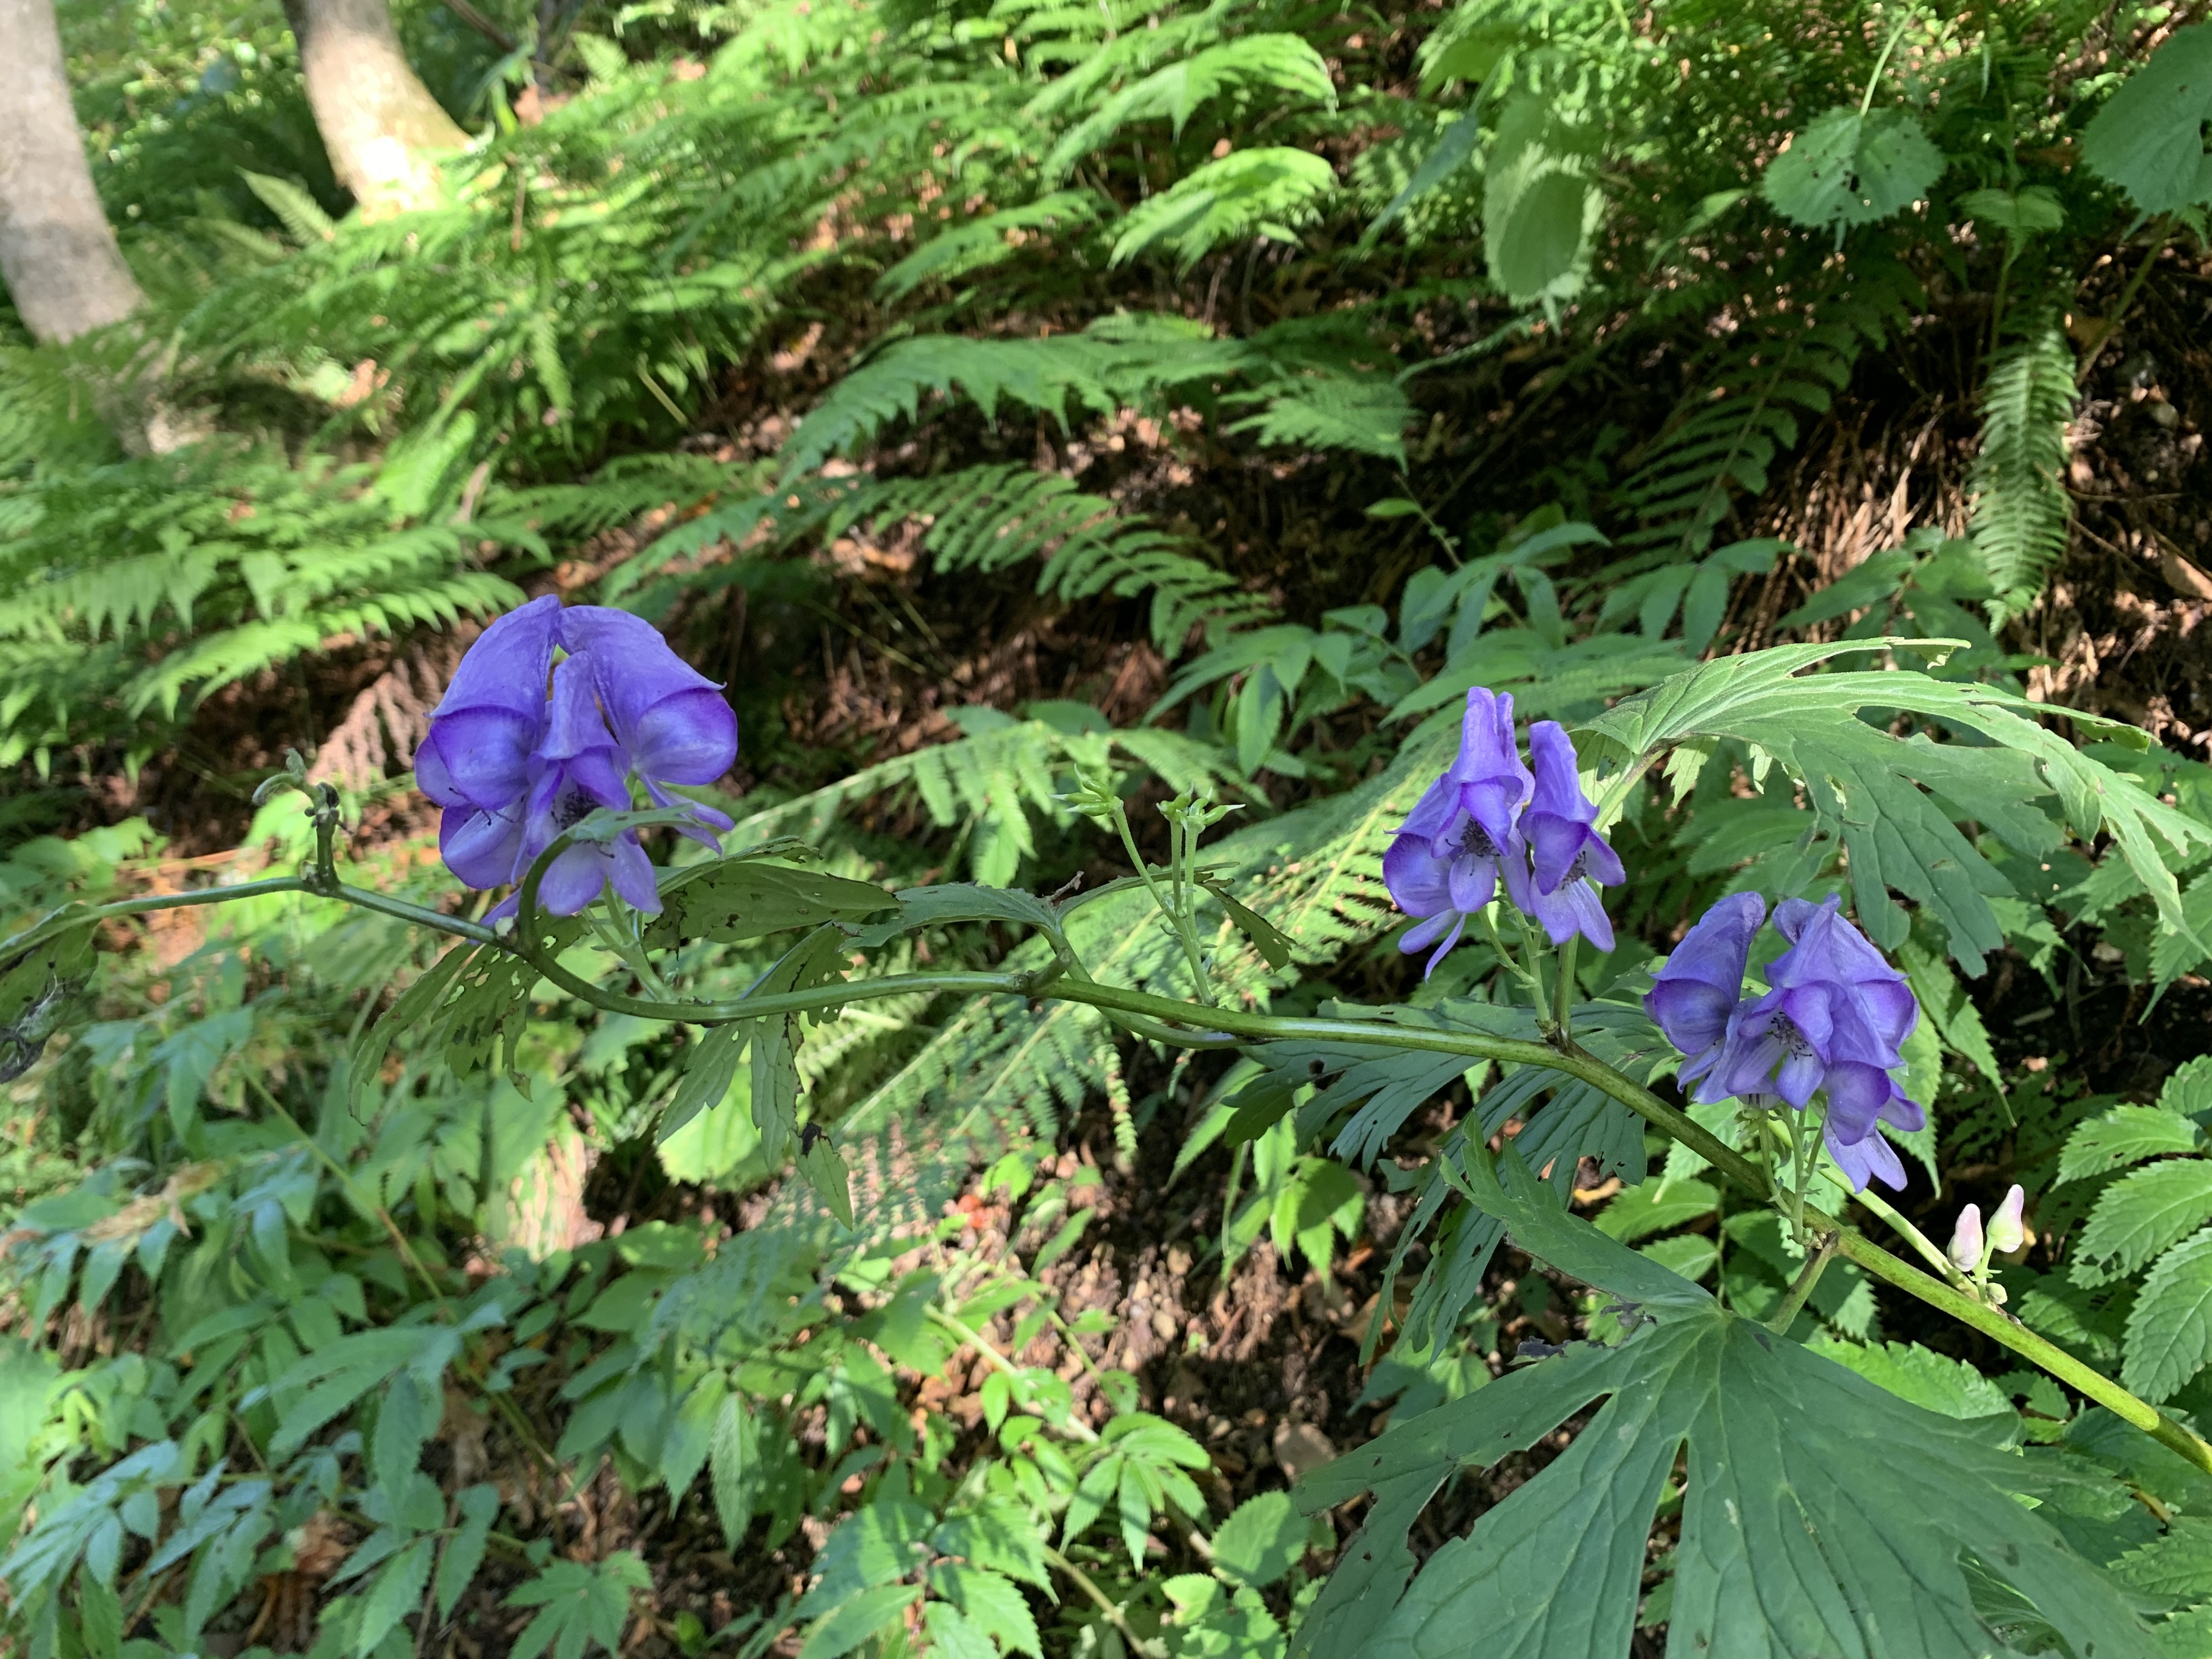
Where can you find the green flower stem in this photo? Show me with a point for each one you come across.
(1181, 1022)
(1563, 992)
(1174, 910)
(1808, 1276)
(2091, 1384)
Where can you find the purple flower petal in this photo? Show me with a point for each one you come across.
(630, 873)
(1693, 996)
(1493, 783)
(480, 847)
(478, 757)
(1559, 823)
(1870, 1159)
(1472, 883)
(572, 881)
(1420, 882)
(672, 721)
(478, 750)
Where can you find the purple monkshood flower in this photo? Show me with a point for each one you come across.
(1833, 1018)
(1694, 994)
(1442, 864)
(1568, 853)
(1493, 783)
(513, 768)
(578, 767)
(669, 721)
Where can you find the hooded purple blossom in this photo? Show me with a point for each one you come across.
(1833, 1018)
(669, 721)
(1561, 824)
(476, 756)
(513, 767)
(1493, 781)
(1442, 864)
(1699, 987)
(578, 767)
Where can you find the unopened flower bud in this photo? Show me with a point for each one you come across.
(2007, 1232)
(1966, 1238)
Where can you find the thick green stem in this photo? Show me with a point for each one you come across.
(1786, 1315)
(1181, 1023)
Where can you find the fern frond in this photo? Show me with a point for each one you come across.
(1247, 192)
(1284, 63)
(1743, 413)
(987, 241)
(2021, 513)
(996, 1071)
(1364, 413)
(988, 518)
(1110, 364)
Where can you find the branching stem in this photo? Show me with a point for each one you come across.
(1181, 1023)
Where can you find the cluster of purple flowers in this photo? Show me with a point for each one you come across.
(1831, 1018)
(522, 748)
(1488, 818)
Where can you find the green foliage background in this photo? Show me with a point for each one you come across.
(743, 304)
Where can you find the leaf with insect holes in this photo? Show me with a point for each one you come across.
(1849, 168)
(2124, 1136)
(1795, 1538)
(732, 900)
(2149, 139)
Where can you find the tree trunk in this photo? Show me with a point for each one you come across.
(57, 253)
(379, 122)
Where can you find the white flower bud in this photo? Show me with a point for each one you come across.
(1966, 1238)
(2006, 1230)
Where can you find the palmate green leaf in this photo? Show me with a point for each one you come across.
(1895, 801)
(2124, 1136)
(955, 901)
(465, 1550)
(2139, 1215)
(579, 1606)
(2149, 139)
(1849, 168)
(710, 1065)
(1823, 1514)
(2170, 1327)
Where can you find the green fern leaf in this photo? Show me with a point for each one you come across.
(2021, 513)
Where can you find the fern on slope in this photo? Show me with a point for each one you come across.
(988, 518)
(1117, 361)
(991, 784)
(2021, 513)
(136, 586)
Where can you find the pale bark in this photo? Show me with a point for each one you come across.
(57, 253)
(382, 128)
